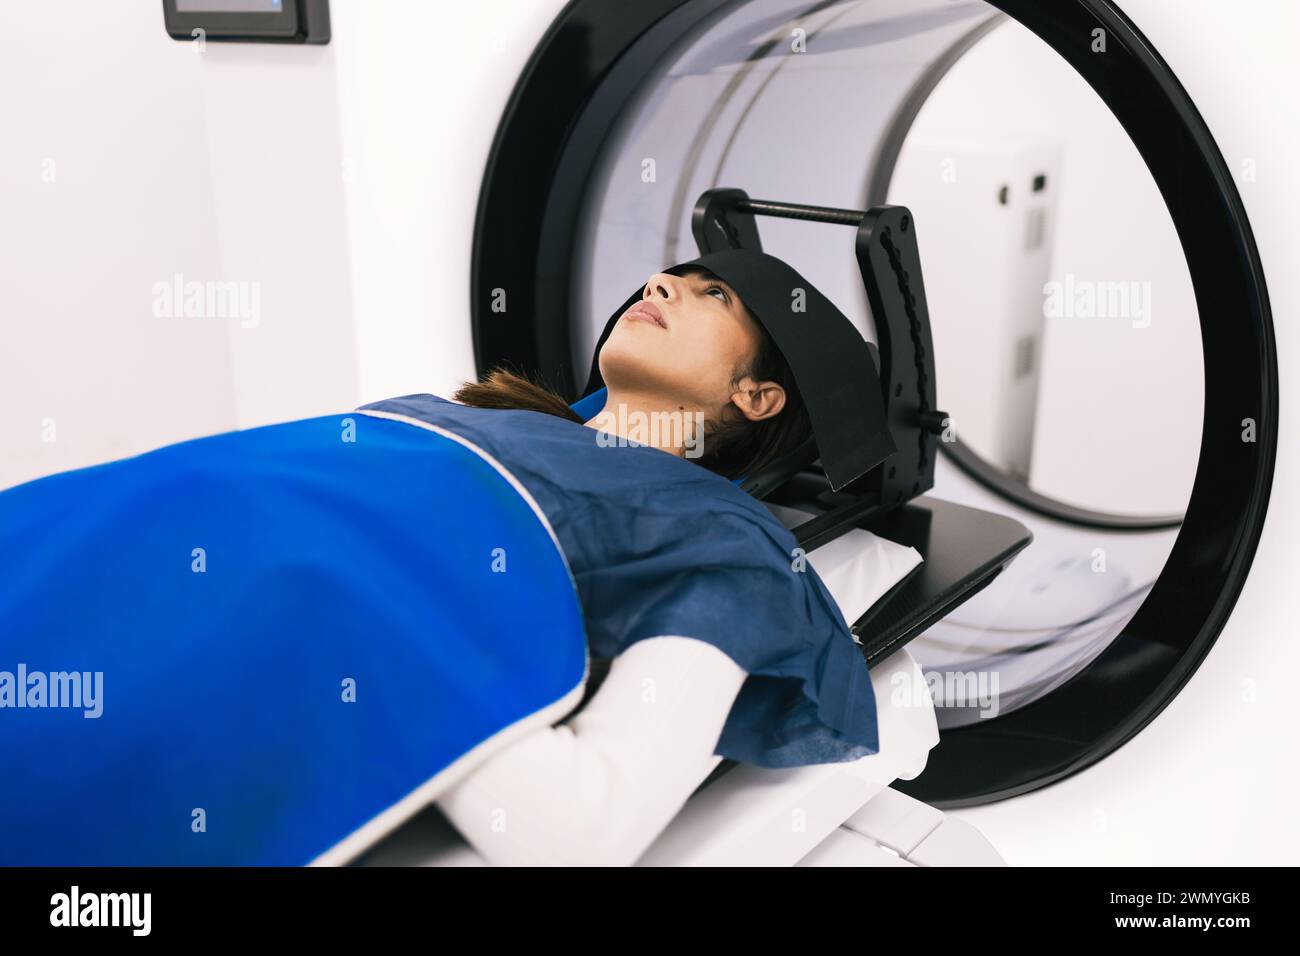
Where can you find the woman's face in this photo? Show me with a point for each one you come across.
(686, 339)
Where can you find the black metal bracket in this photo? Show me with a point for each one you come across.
(890, 264)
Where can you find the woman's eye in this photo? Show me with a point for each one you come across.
(722, 294)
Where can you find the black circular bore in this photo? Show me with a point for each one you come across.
(584, 73)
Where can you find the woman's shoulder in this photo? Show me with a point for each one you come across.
(622, 473)
(412, 402)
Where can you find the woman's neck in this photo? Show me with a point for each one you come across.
(650, 419)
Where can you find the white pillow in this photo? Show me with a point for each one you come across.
(858, 567)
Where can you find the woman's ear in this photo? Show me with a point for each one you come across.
(758, 400)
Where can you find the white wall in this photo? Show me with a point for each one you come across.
(422, 87)
(105, 187)
(339, 182)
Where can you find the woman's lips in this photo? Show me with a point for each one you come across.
(647, 312)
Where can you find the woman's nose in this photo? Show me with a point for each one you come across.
(662, 285)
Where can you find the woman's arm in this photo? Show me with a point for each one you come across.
(597, 789)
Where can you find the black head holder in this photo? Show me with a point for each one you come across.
(831, 361)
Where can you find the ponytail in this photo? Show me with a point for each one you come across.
(502, 388)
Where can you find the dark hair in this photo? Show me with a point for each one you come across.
(736, 446)
(732, 447)
(505, 388)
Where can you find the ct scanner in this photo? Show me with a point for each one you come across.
(381, 188)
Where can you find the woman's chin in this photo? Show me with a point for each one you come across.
(636, 358)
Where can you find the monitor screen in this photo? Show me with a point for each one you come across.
(229, 6)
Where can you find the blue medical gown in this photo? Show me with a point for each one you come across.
(296, 636)
(658, 545)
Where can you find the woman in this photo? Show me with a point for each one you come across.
(691, 373)
(687, 352)
(298, 635)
